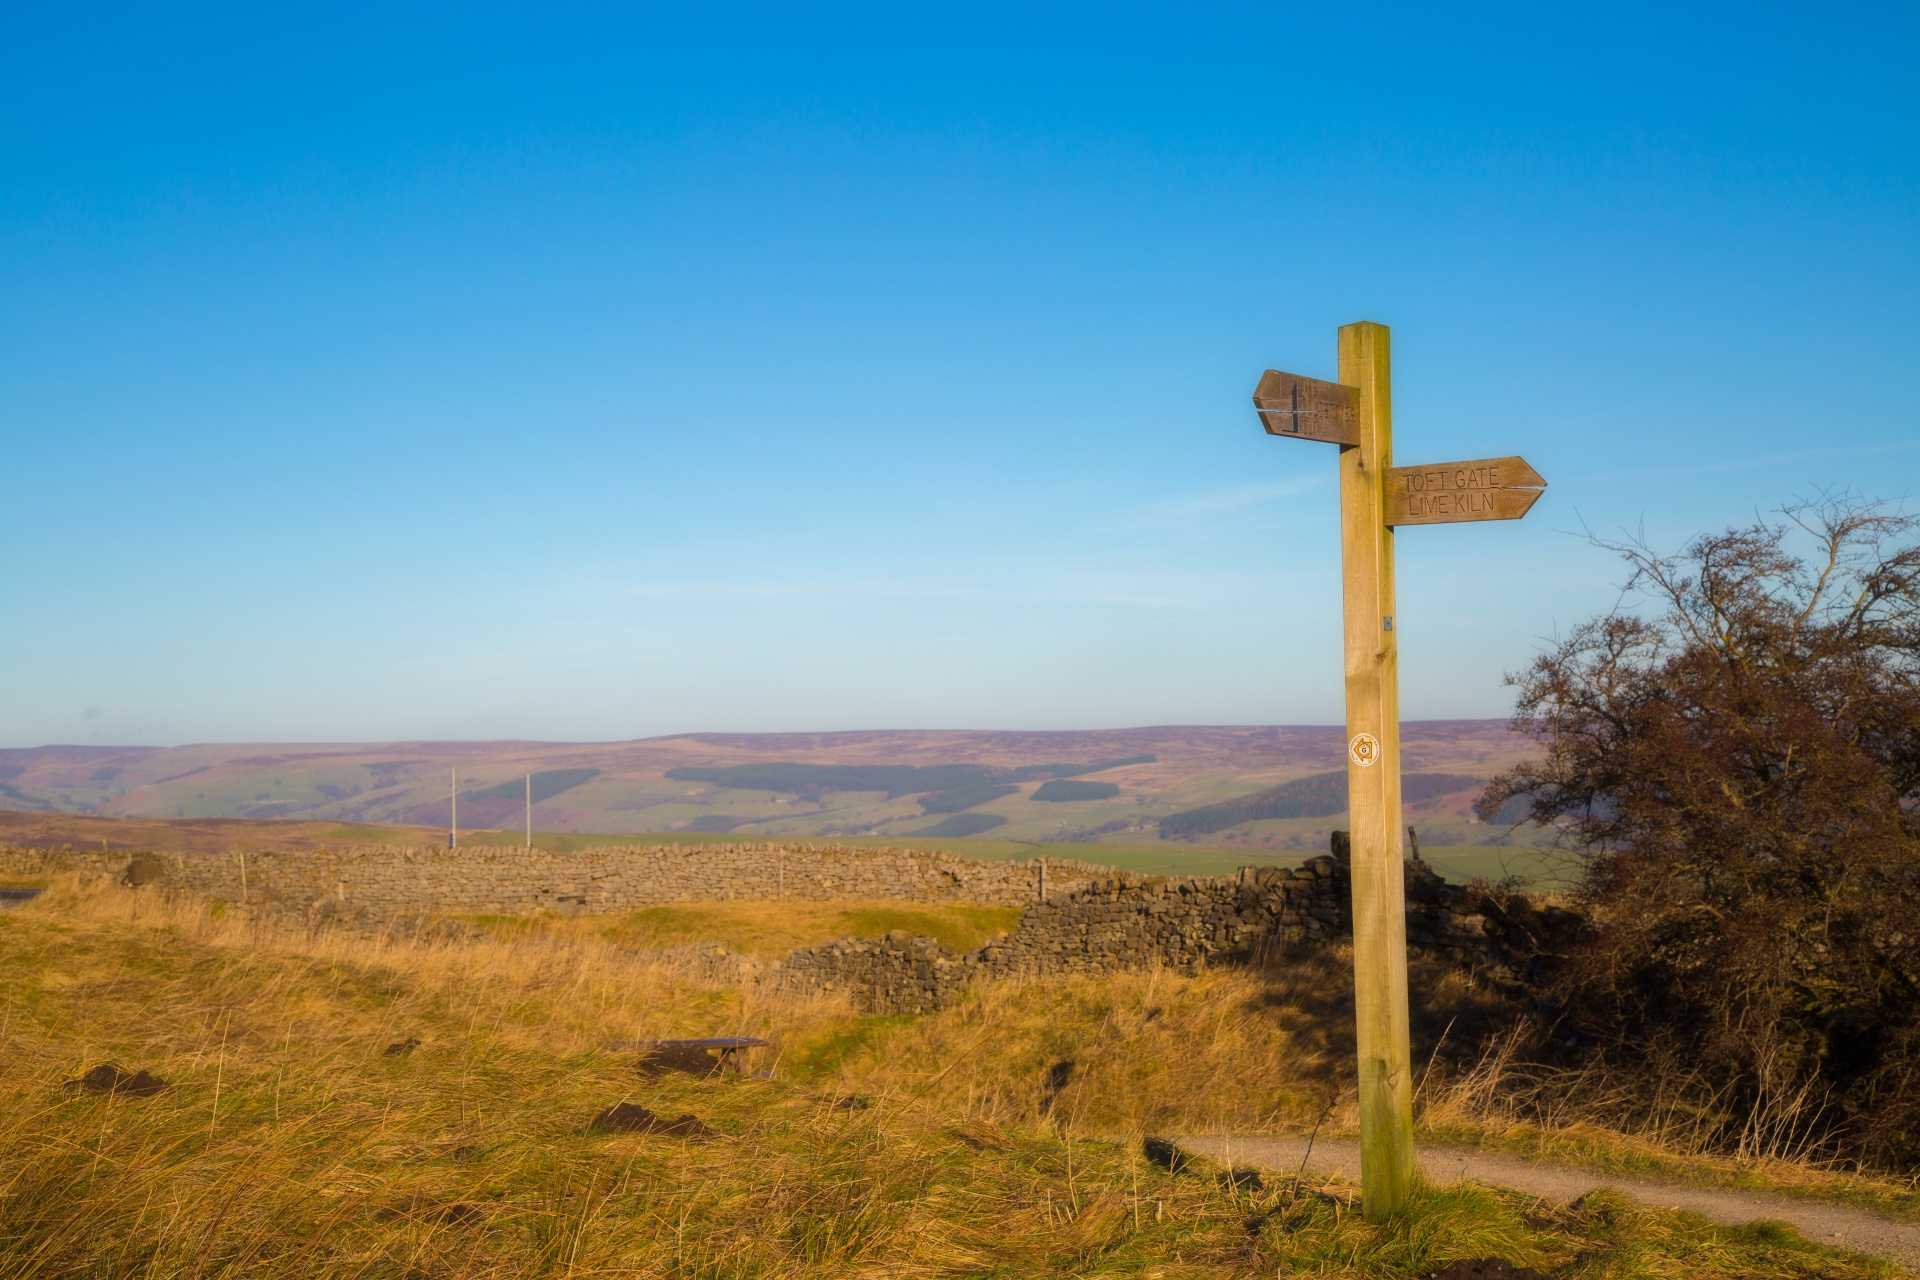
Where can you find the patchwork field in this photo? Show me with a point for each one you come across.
(1111, 788)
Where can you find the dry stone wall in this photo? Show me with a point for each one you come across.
(383, 881)
(1092, 920)
(1126, 921)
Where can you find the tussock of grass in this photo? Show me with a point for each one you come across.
(1110, 1056)
(1230, 1050)
(288, 1144)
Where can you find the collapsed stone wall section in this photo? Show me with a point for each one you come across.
(384, 881)
(900, 973)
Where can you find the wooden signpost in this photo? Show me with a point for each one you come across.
(1356, 413)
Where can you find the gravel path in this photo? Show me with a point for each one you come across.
(1835, 1225)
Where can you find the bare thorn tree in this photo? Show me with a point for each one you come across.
(1735, 754)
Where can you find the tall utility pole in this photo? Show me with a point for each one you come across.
(1373, 780)
(1356, 413)
(453, 809)
(529, 811)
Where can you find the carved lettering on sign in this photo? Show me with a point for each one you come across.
(1307, 408)
(1485, 489)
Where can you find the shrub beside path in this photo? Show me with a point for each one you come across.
(1837, 1226)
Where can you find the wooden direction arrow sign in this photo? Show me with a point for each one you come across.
(1484, 489)
(1307, 408)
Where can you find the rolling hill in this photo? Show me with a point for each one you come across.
(1102, 786)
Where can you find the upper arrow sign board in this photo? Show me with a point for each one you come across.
(1307, 408)
(1485, 489)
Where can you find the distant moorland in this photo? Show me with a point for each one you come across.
(1276, 789)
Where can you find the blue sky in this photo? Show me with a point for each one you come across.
(581, 373)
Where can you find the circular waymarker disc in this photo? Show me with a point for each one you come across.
(1364, 750)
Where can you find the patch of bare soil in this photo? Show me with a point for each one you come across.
(631, 1117)
(1485, 1269)
(112, 1078)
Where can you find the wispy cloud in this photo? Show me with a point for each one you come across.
(1216, 505)
(1763, 460)
(891, 589)
(1190, 506)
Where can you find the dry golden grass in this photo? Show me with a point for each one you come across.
(289, 1144)
(1246, 1052)
(767, 930)
(1651, 1126)
(1110, 1057)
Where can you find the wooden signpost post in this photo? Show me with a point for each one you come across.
(1356, 413)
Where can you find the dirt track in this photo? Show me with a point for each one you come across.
(1829, 1224)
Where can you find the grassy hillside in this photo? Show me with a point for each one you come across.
(290, 1139)
(765, 930)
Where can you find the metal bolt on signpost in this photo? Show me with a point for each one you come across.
(1356, 414)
